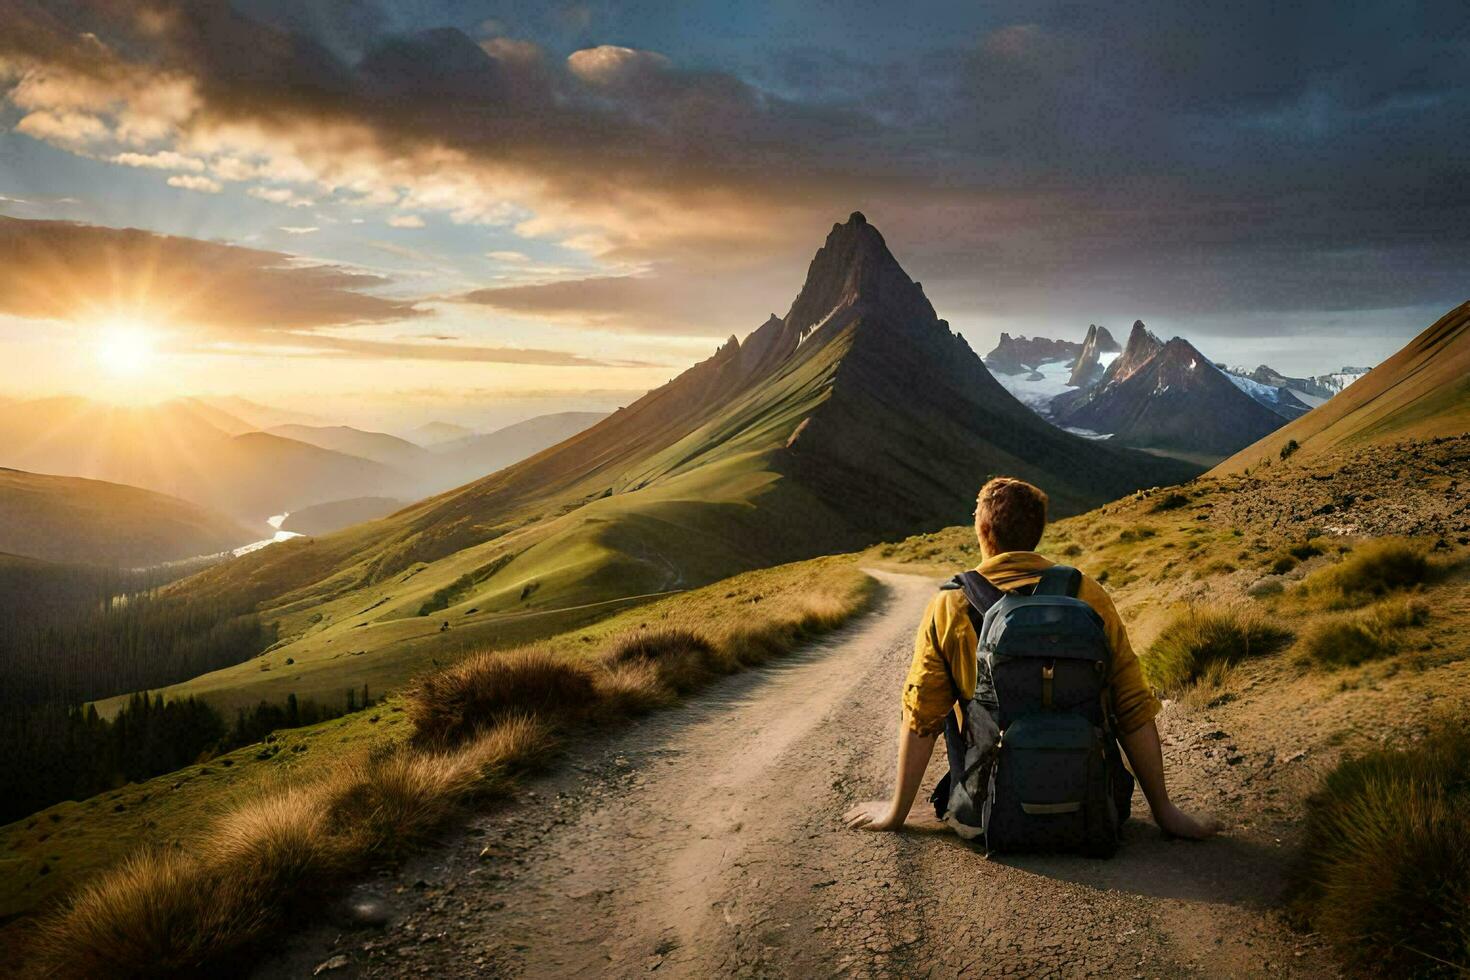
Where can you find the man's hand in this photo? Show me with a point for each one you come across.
(1174, 822)
(877, 815)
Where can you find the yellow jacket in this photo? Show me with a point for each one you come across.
(946, 642)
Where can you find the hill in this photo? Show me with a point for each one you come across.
(432, 434)
(336, 514)
(1421, 392)
(376, 446)
(179, 449)
(475, 455)
(857, 416)
(67, 519)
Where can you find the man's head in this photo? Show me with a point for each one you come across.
(1010, 515)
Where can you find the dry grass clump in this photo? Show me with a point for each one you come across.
(1169, 501)
(1385, 864)
(1370, 571)
(450, 705)
(681, 659)
(1372, 634)
(1202, 643)
(163, 912)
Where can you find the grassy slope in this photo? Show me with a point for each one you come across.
(68, 519)
(711, 500)
(1421, 392)
(71, 840)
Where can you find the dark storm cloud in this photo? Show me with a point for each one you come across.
(1245, 156)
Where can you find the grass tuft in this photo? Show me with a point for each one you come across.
(1371, 571)
(1384, 870)
(1372, 634)
(681, 658)
(1202, 642)
(485, 689)
(1170, 501)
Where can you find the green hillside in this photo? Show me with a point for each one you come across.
(1421, 392)
(857, 417)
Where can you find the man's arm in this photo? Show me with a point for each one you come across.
(914, 751)
(1146, 756)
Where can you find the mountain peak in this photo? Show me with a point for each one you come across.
(854, 270)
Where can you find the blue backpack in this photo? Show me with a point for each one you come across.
(1035, 764)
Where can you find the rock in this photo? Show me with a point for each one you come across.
(335, 963)
(368, 912)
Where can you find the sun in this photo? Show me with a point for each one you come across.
(125, 348)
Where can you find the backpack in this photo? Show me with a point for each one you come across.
(1035, 766)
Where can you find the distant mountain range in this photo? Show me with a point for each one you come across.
(1168, 396)
(1309, 391)
(197, 450)
(1146, 395)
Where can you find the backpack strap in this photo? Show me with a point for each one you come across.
(979, 593)
(1059, 580)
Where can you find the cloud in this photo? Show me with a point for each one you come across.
(162, 160)
(1166, 151)
(300, 229)
(192, 182)
(405, 221)
(213, 297)
(280, 195)
(508, 255)
(657, 303)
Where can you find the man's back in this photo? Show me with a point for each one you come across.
(946, 642)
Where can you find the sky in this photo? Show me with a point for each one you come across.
(479, 211)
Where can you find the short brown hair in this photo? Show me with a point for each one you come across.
(1010, 515)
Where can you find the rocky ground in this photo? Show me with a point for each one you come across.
(1413, 488)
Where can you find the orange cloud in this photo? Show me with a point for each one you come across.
(212, 296)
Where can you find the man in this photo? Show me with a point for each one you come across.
(1009, 518)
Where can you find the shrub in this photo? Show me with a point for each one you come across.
(1305, 549)
(1370, 571)
(1348, 640)
(1201, 639)
(450, 705)
(1281, 564)
(1384, 869)
(1286, 450)
(1170, 501)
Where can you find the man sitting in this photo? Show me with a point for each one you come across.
(1009, 518)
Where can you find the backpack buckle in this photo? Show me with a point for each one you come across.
(1047, 673)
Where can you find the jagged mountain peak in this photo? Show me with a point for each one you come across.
(1088, 366)
(854, 269)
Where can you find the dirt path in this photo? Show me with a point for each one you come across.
(705, 841)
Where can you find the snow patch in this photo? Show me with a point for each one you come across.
(1086, 433)
(1037, 389)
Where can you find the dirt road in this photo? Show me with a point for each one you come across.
(706, 841)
